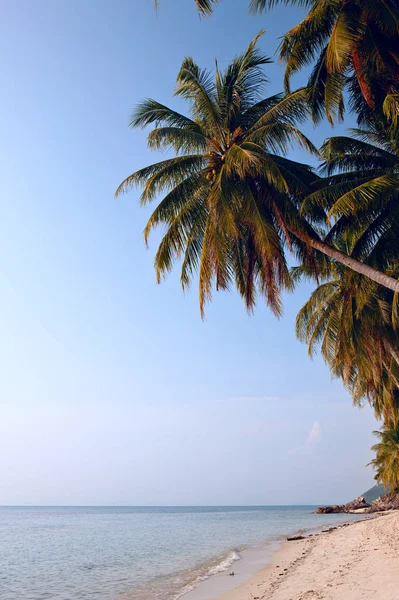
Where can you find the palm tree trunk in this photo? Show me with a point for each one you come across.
(394, 379)
(355, 265)
(391, 350)
(350, 262)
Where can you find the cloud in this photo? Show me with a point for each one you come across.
(312, 439)
(314, 435)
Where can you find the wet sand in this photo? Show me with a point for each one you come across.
(357, 561)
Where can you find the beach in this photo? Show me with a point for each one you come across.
(142, 553)
(357, 561)
(187, 553)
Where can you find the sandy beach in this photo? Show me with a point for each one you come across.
(352, 562)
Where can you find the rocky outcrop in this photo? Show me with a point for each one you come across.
(357, 504)
(388, 502)
(326, 510)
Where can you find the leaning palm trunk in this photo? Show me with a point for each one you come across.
(391, 350)
(356, 265)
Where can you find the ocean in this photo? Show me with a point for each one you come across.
(123, 553)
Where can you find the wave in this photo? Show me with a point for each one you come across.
(173, 587)
(212, 568)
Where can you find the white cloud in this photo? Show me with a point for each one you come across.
(312, 439)
(314, 435)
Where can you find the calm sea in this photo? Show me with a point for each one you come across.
(114, 553)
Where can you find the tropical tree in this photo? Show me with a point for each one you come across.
(352, 322)
(232, 198)
(351, 44)
(386, 462)
(360, 193)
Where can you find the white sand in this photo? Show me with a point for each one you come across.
(354, 562)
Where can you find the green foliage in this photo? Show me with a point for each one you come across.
(352, 44)
(360, 193)
(230, 204)
(349, 318)
(386, 462)
(234, 203)
(351, 321)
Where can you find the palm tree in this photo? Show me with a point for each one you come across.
(386, 462)
(232, 199)
(360, 192)
(351, 321)
(351, 43)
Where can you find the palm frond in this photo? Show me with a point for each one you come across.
(150, 111)
(165, 174)
(196, 85)
(179, 140)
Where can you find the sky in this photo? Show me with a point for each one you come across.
(112, 388)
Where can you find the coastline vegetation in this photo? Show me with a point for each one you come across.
(386, 461)
(234, 206)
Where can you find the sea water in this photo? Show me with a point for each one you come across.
(123, 553)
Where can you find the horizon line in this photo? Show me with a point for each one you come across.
(152, 505)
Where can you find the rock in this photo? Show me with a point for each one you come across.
(293, 538)
(326, 510)
(387, 502)
(358, 503)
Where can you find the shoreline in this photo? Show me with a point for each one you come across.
(353, 561)
(254, 557)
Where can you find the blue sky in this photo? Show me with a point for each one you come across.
(113, 390)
